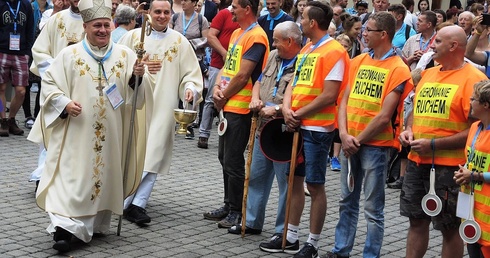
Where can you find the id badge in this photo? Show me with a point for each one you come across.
(225, 80)
(463, 205)
(14, 43)
(114, 96)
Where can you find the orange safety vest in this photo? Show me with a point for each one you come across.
(372, 80)
(238, 103)
(480, 163)
(440, 109)
(314, 70)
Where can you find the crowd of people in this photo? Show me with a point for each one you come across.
(362, 87)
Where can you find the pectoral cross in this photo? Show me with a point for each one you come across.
(100, 87)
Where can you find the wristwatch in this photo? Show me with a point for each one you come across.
(277, 108)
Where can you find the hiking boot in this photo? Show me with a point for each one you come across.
(237, 230)
(308, 251)
(233, 218)
(275, 245)
(136, 214)
(13, 128)
(217, 214)
(397, 184)
(4, 127)
(202, 143)
(335, 164)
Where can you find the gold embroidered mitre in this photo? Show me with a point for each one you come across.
(95, 9)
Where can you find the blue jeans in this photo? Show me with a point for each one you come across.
(262, 173)
(316, 146)
(208, 109)
(371, 164)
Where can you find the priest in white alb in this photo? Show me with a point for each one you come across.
(62, 29)
(85, 113)
(174, 74)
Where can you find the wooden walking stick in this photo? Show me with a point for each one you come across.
(251, 141)
(140, 51)
(292, 168)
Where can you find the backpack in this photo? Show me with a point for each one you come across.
(407, 32)
(199, 20)
(366, 17)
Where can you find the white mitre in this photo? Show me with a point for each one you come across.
(95, 9)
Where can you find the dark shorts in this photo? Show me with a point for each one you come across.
(416, 186)
(14, 68)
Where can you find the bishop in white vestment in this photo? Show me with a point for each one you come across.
(84, 109)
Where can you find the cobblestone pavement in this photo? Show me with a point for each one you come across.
(193, 186)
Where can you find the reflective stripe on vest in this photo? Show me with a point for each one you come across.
(311, 79)
(371, 81)
(239, 102)
(441, 108)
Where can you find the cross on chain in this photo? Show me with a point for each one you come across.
(100, 87)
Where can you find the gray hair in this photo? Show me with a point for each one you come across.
(290, 29)
(124, 14)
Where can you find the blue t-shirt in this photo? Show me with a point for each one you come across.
(400, 36)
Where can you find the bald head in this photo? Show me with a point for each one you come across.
(449, 46)
(454, 34)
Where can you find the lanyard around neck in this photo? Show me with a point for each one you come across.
(272, 19)
(100, 61)
(306, 55)
(232, 50)
(15, 14)
(388, 54)
(280, 73)
(186, 26)
(429, 40)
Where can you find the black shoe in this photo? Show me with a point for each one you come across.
(333, 255)
(397, 184)
(37, 185)
(237, 230)
(232, 219)
(308, 251)
(62, 246)
(275, 245)
(190, 133)
(202, 143)
(62, 238)
(136, 214)
(217, 214)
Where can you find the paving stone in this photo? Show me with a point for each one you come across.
(193, 186)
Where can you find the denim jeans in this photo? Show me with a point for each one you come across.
(315, 150)
(206, 122)
(262, 173)
(371, 164)
(230, 154)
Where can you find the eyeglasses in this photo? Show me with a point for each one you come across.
(369, 30)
